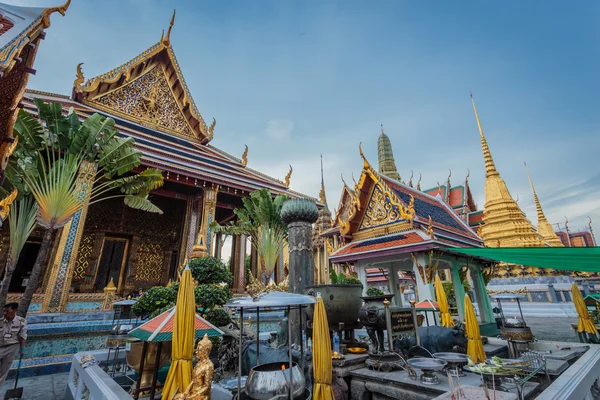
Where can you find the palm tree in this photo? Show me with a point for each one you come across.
(21, 221)
(54, 162)
(260, 218)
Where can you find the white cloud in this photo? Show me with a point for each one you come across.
(279, 129)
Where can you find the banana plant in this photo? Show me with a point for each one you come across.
(260, 218)
(57, 151)
(21, 222)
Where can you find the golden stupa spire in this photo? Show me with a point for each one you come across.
(490, 167)
(505, 224)
(322, 197)
(544, 228)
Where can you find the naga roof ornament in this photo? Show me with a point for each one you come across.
(410, 182)
(288, 177)
(245, 156)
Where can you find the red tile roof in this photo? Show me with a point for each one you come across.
(384, 242)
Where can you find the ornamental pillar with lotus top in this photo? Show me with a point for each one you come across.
(299, 215)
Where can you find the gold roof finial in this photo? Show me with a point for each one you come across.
(366, 163)
(49, 11)
(490, 167)
(354, 180)
(448, 187)
(211, 129)
(410, 180)
(430, 228)
(162, 36)
(322, 197)
(288, 177)
(79, 79)
(592, 231)
(167, 39)
(439, 189)
(245, 156)
(343, 181)
(419, 182)
(468, 175)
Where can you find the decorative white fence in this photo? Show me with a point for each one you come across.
(92, 383)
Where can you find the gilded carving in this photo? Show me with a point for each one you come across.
(245, 156)
(150, 99)
(288, 176)
(380, 211)
(79, 79)
(6, 202)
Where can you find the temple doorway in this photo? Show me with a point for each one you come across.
(112, 263)
(24, 267)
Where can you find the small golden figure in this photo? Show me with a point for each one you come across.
(202, 375)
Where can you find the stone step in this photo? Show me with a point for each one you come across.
(41, 366)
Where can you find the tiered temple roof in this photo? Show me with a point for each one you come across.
(21, 30)
(150, 102)
(384, 217)
(387, 165)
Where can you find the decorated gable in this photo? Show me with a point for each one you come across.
(150, 100)
(382, 209)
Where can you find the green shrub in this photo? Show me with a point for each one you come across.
(153, 300)
(341, 279)
(218, 317)
(210, 296)
(210, 270)
(372, 292)
(449, 289)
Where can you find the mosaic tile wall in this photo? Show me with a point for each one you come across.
(84, 306)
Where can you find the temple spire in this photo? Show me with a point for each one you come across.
(490, 167)
(387, 165)
(544, 228)
(322, 197)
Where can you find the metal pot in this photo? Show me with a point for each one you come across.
(514, 323)
(270, 381)
(134, 357)
(517, 334)
(342, 303)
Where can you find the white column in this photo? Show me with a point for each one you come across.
(425, 289)
(361, 271)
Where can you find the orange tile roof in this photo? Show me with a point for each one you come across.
(381, 243)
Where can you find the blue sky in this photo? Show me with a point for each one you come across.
(294, 79)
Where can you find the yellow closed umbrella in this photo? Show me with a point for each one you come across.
(180, 372)
(474, 344)
(322, 367)
(584, 322)
(440, 296)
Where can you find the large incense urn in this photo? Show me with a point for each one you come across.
(342, 303)
(134, 358)
(271, 382)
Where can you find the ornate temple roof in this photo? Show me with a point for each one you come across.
(185, 160)
(387, 165)
(21, 29)
(387, 217)
(149, 89)
(505, 224)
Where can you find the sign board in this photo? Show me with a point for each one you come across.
(402, 321)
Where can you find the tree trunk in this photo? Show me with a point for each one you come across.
(36, 272)
(8, 273)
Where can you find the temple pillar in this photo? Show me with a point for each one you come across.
(299, 215)
(459, 289)
(218, 245)
(241, 264)
(189, 226)
(166, 267)
(254, 264)
(486, 314)
(233, 260)
(61, 267)
(204, 238)
(393, 285)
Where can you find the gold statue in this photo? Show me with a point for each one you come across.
(288, 177)
(245, 156)
(202, 375)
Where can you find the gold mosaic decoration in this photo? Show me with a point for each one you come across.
(83, 258)
(150, 262)
(150, 99)
(380, 211)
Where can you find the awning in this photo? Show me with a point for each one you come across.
(584, 259)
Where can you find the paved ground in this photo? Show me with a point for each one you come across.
(52, 387)
(558, 329)
(47, 387)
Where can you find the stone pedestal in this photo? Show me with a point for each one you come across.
(299, 215)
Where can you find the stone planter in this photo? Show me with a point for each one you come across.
(342, 303)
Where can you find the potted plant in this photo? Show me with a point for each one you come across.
(341, 298)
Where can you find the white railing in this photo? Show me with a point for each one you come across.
(92, 383)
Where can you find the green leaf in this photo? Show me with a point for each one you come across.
(141, 203)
